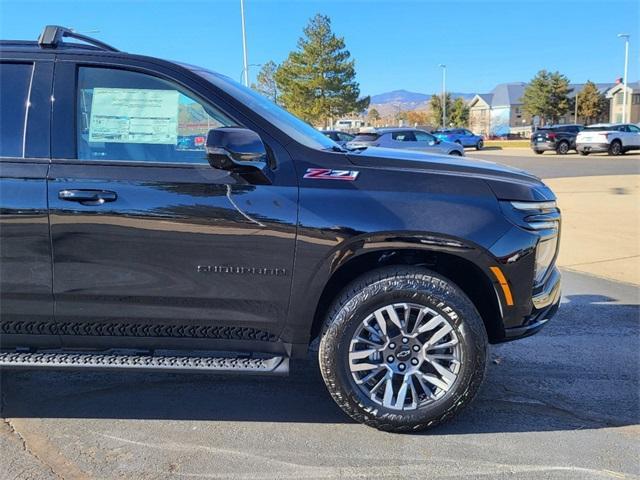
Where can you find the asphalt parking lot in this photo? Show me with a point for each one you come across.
(552, 165)
(561, 404)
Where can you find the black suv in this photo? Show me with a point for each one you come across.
(559, 138)
(156, 215)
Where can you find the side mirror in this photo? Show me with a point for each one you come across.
(238, 150)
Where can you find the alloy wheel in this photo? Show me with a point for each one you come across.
(405, 356)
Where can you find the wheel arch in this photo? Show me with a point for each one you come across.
(465, 273)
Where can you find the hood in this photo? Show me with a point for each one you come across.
(506, 182)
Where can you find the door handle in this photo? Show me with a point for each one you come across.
(88, 197)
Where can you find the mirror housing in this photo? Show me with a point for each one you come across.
(234, 148)
(238, 150)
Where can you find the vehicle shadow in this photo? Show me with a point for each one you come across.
(579, 372)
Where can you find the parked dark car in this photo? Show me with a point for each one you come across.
(341, 138)
(463, 136)
(559, 138)
(123, 250)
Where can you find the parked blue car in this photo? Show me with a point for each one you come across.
(464, 137)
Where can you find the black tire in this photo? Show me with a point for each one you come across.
(455, 153)
(480, 144)
(615, 148)
(538, 152)
(583, 153)
(393, 285)
(562, 148)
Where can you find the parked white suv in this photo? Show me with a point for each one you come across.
(614, 139)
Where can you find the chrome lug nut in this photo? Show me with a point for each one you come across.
(416, 348)
(405, 340)
(401, 367)
(390, 358)
(392, 345)
(414, 361)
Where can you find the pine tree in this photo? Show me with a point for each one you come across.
(266, 82)
(547, 96)
(459, 116)
(373, 116)
(591, 103)
(317, 81)
(435, 105)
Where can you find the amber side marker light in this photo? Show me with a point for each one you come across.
(503, 283)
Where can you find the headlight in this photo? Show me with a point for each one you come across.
(545, 253)
(543, 218)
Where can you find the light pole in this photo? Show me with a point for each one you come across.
(245, 68)
(624, 80)
(244, 71)
(444, 95)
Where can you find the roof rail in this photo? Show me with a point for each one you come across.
(51, 37)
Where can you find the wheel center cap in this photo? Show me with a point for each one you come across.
(403, 352)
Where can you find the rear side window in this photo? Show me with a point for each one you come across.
(125, 115)
(403, 136)
(344, 137)
(15, 82)
(366, 137)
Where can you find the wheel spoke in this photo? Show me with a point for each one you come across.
(375, 388)
(447, 375)
(442, 356)
(425, 388)
(370, 376)
(402, 393)
(361, 355)
(432, 323)
(435, 381)
(382, 323)
(414, 394)
(367, 341)
(419, 319)
(451, 343)
(439, 334)
(393, 316)
(388, 392)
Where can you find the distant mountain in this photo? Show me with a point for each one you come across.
(405, 96)
(389, 103)
(400, 96)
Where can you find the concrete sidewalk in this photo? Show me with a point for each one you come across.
(601, 225)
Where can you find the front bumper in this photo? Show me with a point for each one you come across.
(545, 306)
(593, 147)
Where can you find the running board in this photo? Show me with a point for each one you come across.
(239, 365)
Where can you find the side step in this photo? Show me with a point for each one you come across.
(101, 361)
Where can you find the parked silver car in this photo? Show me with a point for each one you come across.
(405, 138)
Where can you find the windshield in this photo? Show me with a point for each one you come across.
(291, 125)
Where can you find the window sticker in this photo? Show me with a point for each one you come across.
(130, 115)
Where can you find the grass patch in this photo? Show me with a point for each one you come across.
(507, 143)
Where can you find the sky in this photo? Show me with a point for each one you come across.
(396, 44)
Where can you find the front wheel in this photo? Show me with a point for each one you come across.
(403, 349)
(480, 145)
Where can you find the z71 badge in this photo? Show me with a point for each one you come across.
(328, 174)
